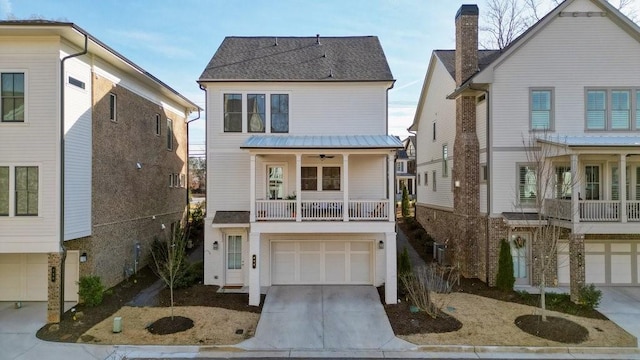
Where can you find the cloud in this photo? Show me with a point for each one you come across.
(6, 8)
(400, 118)
(154, 42)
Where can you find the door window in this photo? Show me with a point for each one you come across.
(275, 179)
(234, 252)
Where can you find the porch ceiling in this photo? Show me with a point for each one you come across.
(322, 142)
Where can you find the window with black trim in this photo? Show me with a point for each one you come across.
(158, 127)
(12, 97)
(279, 113)
(232, 112)
(169, 134)
(331, 178)
(445, 161)
(255, 113)
(309, 178)
(433, 180)
(26, 184)
(75, 82)
(113, 107)
(527, 185)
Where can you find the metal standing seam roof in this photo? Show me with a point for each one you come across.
(322, 142)
(591, 141)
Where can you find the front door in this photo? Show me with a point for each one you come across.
(234, 260)
(275, 182)
(520, 243)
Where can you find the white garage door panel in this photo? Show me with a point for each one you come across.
(621, 269)
(24, 277)
(594, 269)
(321, 262)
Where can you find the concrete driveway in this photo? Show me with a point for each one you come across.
(621, 304)
(18, 340)
(324, 317)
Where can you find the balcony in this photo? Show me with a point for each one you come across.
(322, 210)
(594, 211)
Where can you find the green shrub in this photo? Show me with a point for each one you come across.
(589, 296)
(405, 202)
(90, 290)
(404, 263)
(505, 278)
(194, 274)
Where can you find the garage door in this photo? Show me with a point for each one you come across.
(23, 277)
(610, 263)
(321, 262)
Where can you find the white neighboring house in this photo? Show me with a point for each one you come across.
(406, 168)
(78, 114)
(301, 169)
(572, 82)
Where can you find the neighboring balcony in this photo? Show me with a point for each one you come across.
(314, 210)
(594, 210)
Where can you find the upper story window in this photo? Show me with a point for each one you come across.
(400, 166)
(527, 185)
(563, 184)
(255, 113)
(541, 117)
(434, 131)
(279, 113)
(169, 134)
(113, 107)
(426, 179)
(411, 150)
(76, 82)
(26, 190)
(484, 173)
(12, 94)
(232, 112)
(331, 178)
(418, 181)
(611, 109)
(445, 161)
(433, 181)
(158, 127)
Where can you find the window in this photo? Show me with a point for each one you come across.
(255, 113)
(484, 174)
(77, 83)
(26, 190)
(592, 182)
(563, 183)
(541, 109)
(309, 177)
(426, 179)
(481, 98)
(232, 113)
(158, 125)
(331, 178)
(445, 164)
(234, 253)
(170, 180)
(183, 182)
(112, 107)
(279, 113)
(400, 166)
(169, 134)
(637, 109)
(527, 185)
(418, 183)
(434, 131)
(12, 94)
(4, 190)
(433, 180)
(620, 109)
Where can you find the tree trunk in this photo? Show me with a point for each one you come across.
(543, 298)
(171, 293)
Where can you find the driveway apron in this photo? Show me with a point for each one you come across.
(621, 304)
(326, 317)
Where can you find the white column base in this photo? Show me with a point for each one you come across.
(254, 271)
(391, 280)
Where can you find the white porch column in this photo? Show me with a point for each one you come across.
(575, 190)
(391, 276)
(254, 269)
(623, 188)
(252, 188)
(298, 187)
(391, 171)
(345, 190)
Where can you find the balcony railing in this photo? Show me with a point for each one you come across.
(592, 210)
(322, 210)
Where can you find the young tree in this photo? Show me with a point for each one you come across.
(505, 278)
(170, 258)
(405, 202)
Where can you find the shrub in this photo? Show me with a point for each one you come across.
(91, 290)
(505, 278)
(404, 263)
(589, 296)
(194, 274)
(422, 282)
(405, 202)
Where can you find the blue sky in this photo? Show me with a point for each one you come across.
(174, 40)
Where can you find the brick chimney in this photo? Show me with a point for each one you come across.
(466, 42)
(466, 150)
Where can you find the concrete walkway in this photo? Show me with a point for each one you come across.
(621, 304)
(324, 317)
(402, 242)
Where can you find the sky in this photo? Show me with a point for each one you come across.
(174, 40)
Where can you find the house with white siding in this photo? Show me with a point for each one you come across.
(87, 142)
(406, 168)
(567, 88)
(301, 169)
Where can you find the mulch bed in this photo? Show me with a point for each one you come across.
(208, 295)
(555, 328)
(168, 325)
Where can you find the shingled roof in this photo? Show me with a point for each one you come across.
(298, 59)
(448, 58)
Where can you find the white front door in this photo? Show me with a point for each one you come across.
(520, 243)
(234, 260)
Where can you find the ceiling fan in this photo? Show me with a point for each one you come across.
(323, 156)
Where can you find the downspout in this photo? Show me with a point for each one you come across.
(187, 175)
(62, 179)
(488, 125)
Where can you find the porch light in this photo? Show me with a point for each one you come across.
(380, 244)
(83, 257)
(215, 245)
(457, 183)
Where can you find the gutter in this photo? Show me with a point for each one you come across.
(187, 175)
(63, 250)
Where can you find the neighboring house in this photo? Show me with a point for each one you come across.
(571, 84)
(301, 169)
(76, 112)
(406, 168)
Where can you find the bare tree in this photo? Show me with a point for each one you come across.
(546, 187)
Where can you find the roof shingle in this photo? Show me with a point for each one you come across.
(298, 58)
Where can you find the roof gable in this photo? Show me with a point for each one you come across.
(298, 59)
(448, 59)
